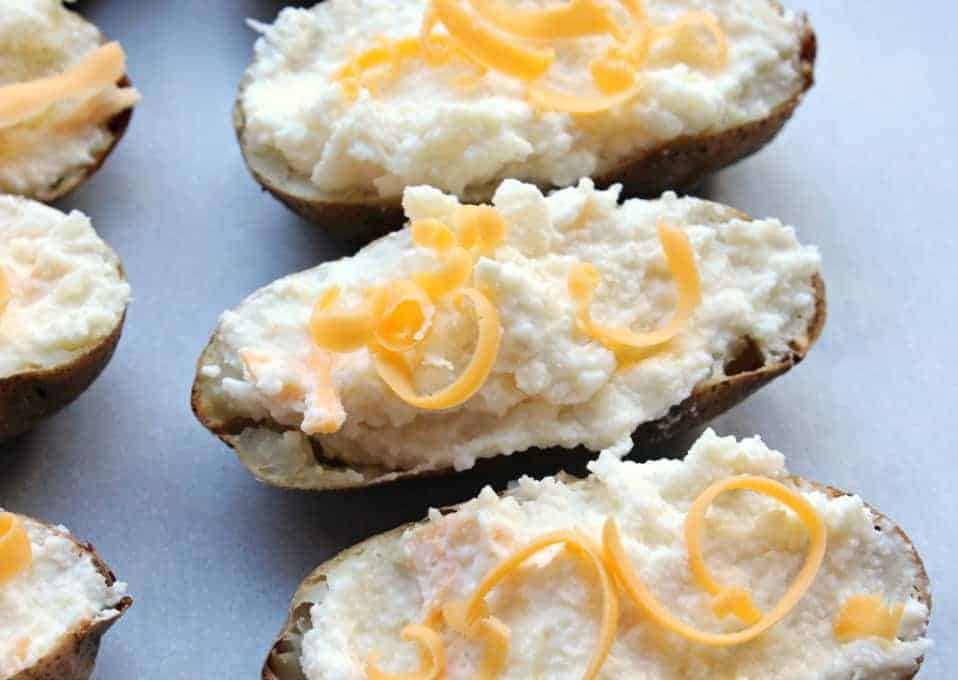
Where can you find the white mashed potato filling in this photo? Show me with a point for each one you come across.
(40, 38)
(57, 594)
(551, 384)
(423, 128)
(63, 283)
(552, 605)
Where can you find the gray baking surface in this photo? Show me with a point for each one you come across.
(866, 171)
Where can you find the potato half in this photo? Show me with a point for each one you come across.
(342, 164)
(70, 596)
(65, 298)
(551, 387)
(43, 157)
(400, 569)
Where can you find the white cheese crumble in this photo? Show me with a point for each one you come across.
(40, 38)
(67, 290)
(551, 384)
(553, 605)
(424, 129)
(56, 595)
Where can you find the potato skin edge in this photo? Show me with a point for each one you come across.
(74, 656)
(281, 665)
(680, 164)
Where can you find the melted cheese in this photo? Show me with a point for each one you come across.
(15, 550)
(488, 46)
(864, 616)
(100, 70)
(431, 656)
(584, 280)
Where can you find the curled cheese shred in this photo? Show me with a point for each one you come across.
(573, 19)
(403, 316)
(432, 234)
(454, 273)
(432, 656)
(583, 547)
(16, 553)
(396, 373)
(339, 330)
(479, 228)
(488, 46)
(490, 631)
(584, 280)
(867, 616)
(735, 600)
(554, 100)
(100, 70)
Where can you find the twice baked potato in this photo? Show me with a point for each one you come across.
(57, 599)
(344, 106)
(63, 298)
(65, 98)
(669, 571)
(568, 321)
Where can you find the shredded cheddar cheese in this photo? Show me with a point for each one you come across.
(432, 657)
(584, 280)
(394, 320)
(867, 616)
(497, 36)
(97, 73)
(16, 553)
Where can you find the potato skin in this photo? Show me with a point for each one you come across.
(282, 662)
(28, 398)
(708, 400)
(75, 655)
(680, 164)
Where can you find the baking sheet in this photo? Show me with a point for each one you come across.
(866, 171)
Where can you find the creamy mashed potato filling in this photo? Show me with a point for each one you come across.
(449, 127)
(552, 604)
(62, 284)
(59, 592)
(38, 39)
(551, 384)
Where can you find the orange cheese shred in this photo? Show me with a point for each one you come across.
(479, 228)
(553, 100)
(573, 19)
(454, 273)
(727, 600)
(16, 553)
(581, 546)
(493, 633)
(100, 70)
(584, 280)
(404, 316)
(338, 330)
(432, 656)
(490, 47)
(867, 616)
(396, 373)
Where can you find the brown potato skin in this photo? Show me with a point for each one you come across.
(708, 400)
(28, 398)
(282, 662)
(680, 164)
(75, 654)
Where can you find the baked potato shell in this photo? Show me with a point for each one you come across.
(74, 655)
(745, 373)
(283, 660)
(680, 164)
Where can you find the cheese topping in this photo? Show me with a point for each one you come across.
(431, 656)
(865, 616)
(97, 72)
(584, 280)
(5, 293)
(554, 606)
(485, 44)
(15, 551)
(396, 319)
